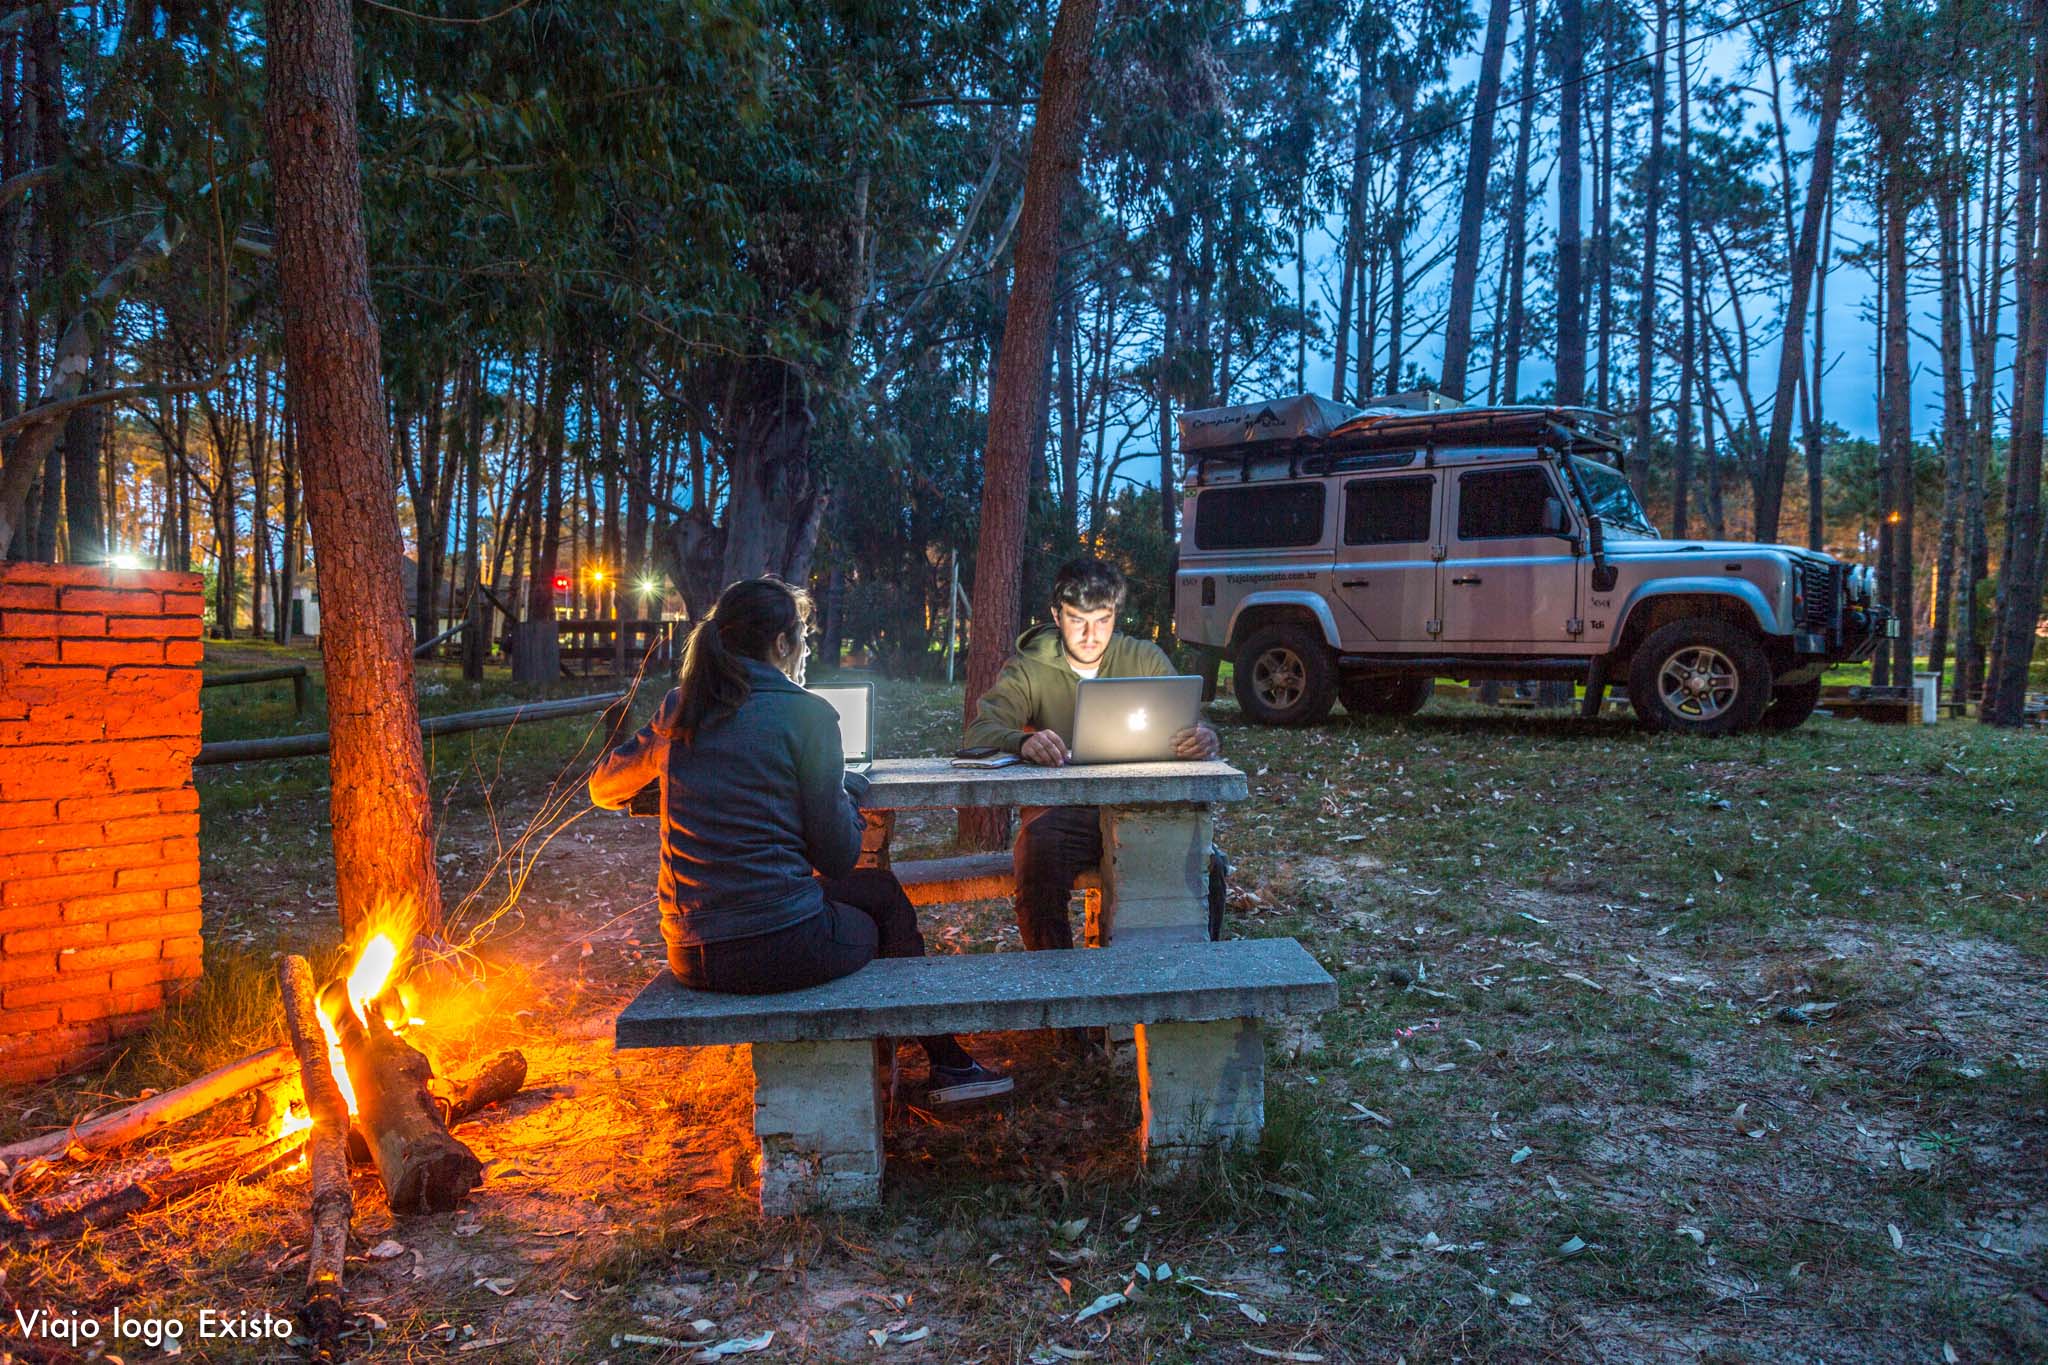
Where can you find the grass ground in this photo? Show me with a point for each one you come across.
(1566, 1110)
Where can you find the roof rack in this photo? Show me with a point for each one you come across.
(1393, 440)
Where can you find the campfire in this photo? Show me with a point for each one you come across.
(348, 1089)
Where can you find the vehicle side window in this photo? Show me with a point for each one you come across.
(1277, 516)
(1387, 511)
(1502, 504)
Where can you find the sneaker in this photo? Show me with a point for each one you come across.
(959, 1084)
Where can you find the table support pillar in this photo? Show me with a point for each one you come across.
(1155, 874)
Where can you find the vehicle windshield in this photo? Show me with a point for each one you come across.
(1614, 501)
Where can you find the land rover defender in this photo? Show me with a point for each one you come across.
(1358, 554)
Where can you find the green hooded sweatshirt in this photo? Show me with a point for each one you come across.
(1036, 689)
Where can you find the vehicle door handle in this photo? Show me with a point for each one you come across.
(1462, 582)
(1353, 583)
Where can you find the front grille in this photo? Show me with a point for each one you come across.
(1820, 592)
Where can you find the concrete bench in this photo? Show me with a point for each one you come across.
(817, 1103)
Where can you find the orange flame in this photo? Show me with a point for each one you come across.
(376, 963)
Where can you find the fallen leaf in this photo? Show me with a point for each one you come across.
(1254, 1314)
(1698, 1238)
(1101, 1305)
(1521, 1155)
(1309, 1356)
(501, 1287)
(1571, 1246)
(736, 1346)
(1898, 1238)
(1290, 1192)
(492, 1342)
(1072, 1353)
(906, 1338)
(386, 1250)
(1071, 1230)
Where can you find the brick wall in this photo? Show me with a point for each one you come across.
(99, 822)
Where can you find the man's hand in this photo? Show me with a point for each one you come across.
(1044, 748)
(1196, 742)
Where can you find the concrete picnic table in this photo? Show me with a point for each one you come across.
(1157, 825)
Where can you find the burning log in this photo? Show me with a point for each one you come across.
(333, 1201)
(424, 1167)
(139, 1120)
(497, 1079)
(149, 1183)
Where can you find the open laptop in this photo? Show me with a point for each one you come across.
(1133, 720)
(855, 703)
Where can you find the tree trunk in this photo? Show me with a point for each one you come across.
(1681, 465)
(1777, 453)
(1954, 433)
(1646, 302)
(382, 817)
(1571, 301)
(1518, 221)
(2019, 612)
(1013, 405)
(1816, 492)
(1896, 414)
(1472, 208)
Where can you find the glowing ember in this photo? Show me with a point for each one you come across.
(292, 1121)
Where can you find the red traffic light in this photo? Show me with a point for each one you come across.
(561, 582)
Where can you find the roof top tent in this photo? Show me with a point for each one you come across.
(1305, 434)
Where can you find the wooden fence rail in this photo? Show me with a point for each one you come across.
(295, 672)
(306, 746)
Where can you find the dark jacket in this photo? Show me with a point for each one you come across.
(748, 808)
(1037, 690)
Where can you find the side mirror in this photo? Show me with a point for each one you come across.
(1555, 523)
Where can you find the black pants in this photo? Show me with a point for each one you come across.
(1055, 846)
(866, 916)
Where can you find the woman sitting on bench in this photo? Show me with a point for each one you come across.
(754, 795)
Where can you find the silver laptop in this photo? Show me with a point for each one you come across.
(855, 703)
(1133, 720)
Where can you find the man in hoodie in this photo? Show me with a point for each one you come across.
(1030, 712)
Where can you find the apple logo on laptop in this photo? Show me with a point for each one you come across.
(1136, 720)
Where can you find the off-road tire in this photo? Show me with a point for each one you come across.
(1791, 704)
(1385, 696)
(1699, 676)
(1285, 676)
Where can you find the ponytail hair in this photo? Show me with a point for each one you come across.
(750, 617)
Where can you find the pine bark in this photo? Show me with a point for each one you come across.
(1571, 290)
(1777, 455)
(1020, 370)
(1472, 208)
(1646, 300)
(382, 817)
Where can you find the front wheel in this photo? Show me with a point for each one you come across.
(1790, 705)
(1284, 676)
(1381, 696)
(1699, 676)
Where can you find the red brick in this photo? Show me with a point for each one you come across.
(58, 1041)
(14, 917)
(146, 878)
(179, 922)
(28, 1021)
(184, 652)
(120, 905)
(182, 968)
(71, 986)
(141, 975)
(28, 814)
(185, 798)
(28, 596)
(182, 850)
(105, 955)
(27, 966)
(136, 601)
(18, 651)
(57, 938)
(63, 624)
(185, 945)
(110, 653)
(40, 728)
(114, 806)
(109, 855)
(39, 890)
(136, 628)
(141, 828)
(181, 898)
(137, 927)
(51, 838)
(115, 1007)
(37, 864)
(184, 604)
